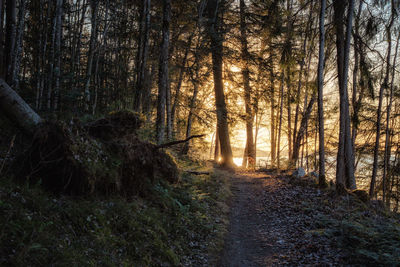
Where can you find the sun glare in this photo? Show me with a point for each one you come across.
(235, 69)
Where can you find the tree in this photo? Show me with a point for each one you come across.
(163, 72)
(214, 9)
(249, 117)
(9, 47)
(321, 181)
(380, 100)
(344, 167)
(141, 58)
(17, 110)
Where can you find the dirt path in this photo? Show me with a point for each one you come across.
(246, 244)
(269, 224)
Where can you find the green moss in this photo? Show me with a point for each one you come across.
(169, 227)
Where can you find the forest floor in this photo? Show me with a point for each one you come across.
(276, 220)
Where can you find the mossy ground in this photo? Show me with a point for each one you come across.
(181, 224)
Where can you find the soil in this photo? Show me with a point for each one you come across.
(269, 226)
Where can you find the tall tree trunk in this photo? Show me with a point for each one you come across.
(379, 111)
(192, 107)
(289, 116)
(321, 60)
(216, 36)
(179, 83)
(92, 44)
(163, 73)
(9, 45)
(59, 13)
(386, 160)
(278, 156)
(250, 152)
(143, 48)
(2, 5)
(18, 45)
(355, 103)
(344, 168)
(272, 103)
(302, 63)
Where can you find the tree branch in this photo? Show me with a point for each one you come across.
(180, 141)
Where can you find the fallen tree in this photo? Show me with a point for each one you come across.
(17, 110)
(103, 157)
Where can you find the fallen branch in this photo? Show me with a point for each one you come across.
(180, 141)
(198, 173)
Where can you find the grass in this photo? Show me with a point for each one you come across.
(180, 224)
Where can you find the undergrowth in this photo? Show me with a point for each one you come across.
(174, 225)
(367, 236)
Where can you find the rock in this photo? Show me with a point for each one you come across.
(299, 173)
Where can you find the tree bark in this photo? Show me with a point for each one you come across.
(278, 157)
(344, 167)
(143, 48)
(179, 83)
(321, 60)
(18, 45)
(163, 73)
(379, 111)
(92, 43)
(59, 13)
(250, 151)
(216, 36)
(192, 107)
(17, 110)
(9, 45)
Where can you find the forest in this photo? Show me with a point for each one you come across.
(159, 133)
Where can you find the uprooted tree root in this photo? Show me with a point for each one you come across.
(104, 157)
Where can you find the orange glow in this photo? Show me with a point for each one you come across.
(235, 68)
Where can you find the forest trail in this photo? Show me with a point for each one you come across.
(268, 225)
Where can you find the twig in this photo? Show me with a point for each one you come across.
(198, 172)
(179, 141)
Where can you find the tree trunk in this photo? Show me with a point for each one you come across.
(302, 62)
(18, 45)
(92, 43)
(59, 13)
(2, 5)
(386, 160)
(321, 60)
(192, 107)
(179, 83)
(278, 157)
(303, 128)
(379, 111)
(17, 110)
(344, 167)
(216, 36)
(250, 152)
(9, 45)
(163, 73)
(143, 48)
